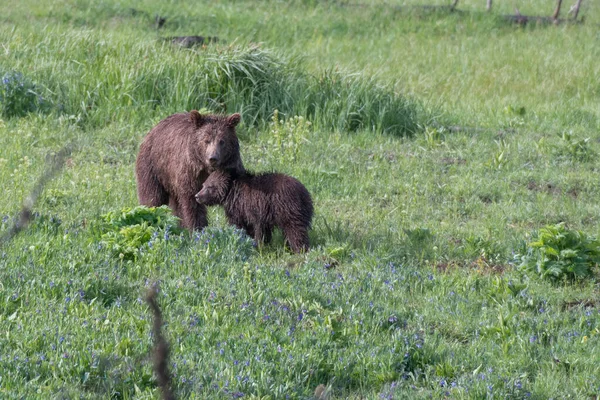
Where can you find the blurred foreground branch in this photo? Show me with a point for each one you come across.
(54, 164)
(161, 348)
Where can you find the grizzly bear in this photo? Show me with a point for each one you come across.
(176, 157)
(258, 203)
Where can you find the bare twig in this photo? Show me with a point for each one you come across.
(161, 349)
(453, 6)
(55, 164)
(489, 5)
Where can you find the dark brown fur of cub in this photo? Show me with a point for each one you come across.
(176, 157)
(258, 203)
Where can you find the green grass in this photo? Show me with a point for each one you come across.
(439, 144)
(117, 75)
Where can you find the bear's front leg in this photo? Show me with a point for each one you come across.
(260, 234)
(193, 214)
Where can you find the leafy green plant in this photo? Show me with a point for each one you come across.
(434, 137)
(515, 117)
(575, 149)
(559, 253)
(127, 241)
(288, 135)
(515, 110)
(485, 248)
(159, 217)
(127, 231)
(499, 158)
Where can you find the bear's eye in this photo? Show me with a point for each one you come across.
(221, 142)
(207, 141)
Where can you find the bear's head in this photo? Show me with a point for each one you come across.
(218, 141)
(214, 189)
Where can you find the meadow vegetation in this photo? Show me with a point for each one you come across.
(452, 159)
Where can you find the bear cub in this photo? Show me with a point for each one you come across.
(258, 203)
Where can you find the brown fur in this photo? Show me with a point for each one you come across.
(258, 203)
(176, 157)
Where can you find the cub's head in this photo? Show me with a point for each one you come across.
(214, 189)
(219, 145)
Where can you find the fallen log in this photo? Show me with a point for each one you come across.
(525, 19)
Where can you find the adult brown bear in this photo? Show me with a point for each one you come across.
(176, 157)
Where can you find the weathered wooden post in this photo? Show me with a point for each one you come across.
(557, 10)
(575, 9)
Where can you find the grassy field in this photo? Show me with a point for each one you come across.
(436, 145)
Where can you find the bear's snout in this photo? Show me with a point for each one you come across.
(214, 156)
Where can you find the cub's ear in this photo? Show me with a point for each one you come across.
(234, 119)
(196, 118)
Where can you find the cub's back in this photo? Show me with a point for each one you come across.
(285, 194)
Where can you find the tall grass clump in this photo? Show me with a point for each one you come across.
(119, 80)
(18, 95)
(257, 81)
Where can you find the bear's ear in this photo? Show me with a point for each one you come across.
(196, 118)
(233, 120)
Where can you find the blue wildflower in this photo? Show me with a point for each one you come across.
(518, 385)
